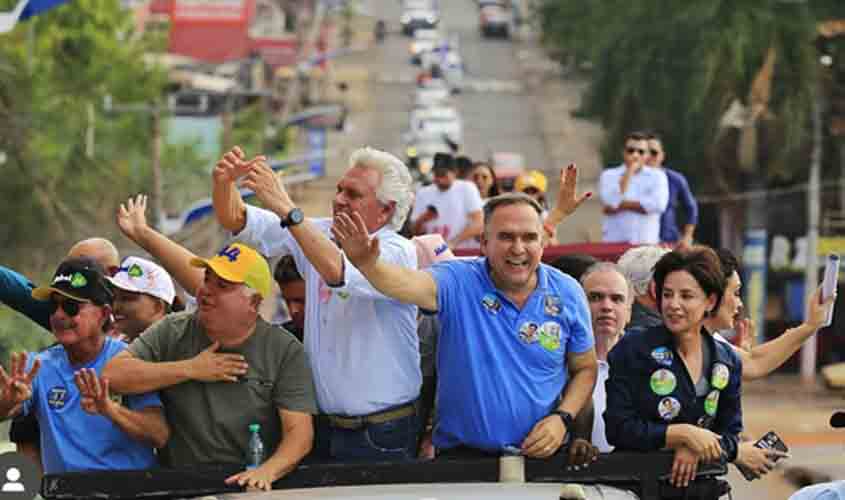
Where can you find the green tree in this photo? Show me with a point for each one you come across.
(679, 67)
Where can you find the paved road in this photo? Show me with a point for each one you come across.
(498, 115)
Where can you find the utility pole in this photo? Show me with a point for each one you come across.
(302, 57)
(811, 271)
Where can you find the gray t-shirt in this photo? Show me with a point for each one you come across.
(210, 421)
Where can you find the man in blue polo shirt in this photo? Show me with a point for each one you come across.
(515, 356)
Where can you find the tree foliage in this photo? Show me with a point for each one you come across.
(59, 185)
(677, 68)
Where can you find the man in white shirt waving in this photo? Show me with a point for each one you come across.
(362, 346)
(633, 196)
(449, 207)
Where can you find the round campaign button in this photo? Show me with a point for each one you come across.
(721, 375)
(21, 478)
(668, 408)
(711, 404)
(663, 355)
(663, 382)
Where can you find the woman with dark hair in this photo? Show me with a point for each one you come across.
(485, 178)
(673, 386)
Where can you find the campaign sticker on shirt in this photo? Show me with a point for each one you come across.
(720, 377)
(529, 332)
(662, 382)
(550, 336)
(57, 397)
(668, 408)
(711, 403)
(491, 303)
(662, 355)
(551, 305)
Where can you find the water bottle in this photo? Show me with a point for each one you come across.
(255, 451)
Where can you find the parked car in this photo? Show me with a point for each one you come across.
(436, 121)
(495, 20)
(418, 19)
(424, 40)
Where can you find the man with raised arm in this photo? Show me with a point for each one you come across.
(515, 357)
(362, 345)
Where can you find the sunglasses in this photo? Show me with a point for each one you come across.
(70, 307)
(631, 151)
(654, 152)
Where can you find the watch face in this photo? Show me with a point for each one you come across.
(296, 216)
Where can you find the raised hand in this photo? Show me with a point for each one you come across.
(354, 239)
(231, 166)
(746, 331)
(568, 199)
(17, 384)
(94, 390)
(211, 366)
(132, 218)
(817, 310)
(268, 187)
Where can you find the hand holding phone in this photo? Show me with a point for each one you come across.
(770, 441)
(831, 279)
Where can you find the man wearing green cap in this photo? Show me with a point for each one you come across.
(223, 368)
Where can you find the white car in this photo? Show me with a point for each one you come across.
(436, 122)
(432, 95)
(416, 19)
(424, 40)
(450, 62)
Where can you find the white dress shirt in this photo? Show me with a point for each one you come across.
(362, 346)
(650, 188)
(599, 438)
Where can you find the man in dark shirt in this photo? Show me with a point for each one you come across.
(679, 195)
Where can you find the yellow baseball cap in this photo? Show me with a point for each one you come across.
(239, 263)
(533, 179)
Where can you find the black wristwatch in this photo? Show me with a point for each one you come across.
(566, 417)
(293, 218)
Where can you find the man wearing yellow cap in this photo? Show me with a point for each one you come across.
(223, 368)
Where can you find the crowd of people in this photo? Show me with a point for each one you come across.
(396, 350)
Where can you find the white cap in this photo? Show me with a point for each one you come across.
(143, 276)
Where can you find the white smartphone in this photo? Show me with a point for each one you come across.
(831, 278)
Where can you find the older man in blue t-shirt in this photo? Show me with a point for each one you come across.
(515, 356)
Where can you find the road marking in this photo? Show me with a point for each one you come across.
(470, 84)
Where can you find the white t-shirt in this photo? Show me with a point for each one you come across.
(453, 209)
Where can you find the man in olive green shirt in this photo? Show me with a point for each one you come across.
(223, 368)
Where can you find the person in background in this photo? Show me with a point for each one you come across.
(292, 286)
(464, 167)
(450, 207)
(637, 264)
(534, 183)
(485, 179)
(143, 294)
(633, 196)
(679, 195)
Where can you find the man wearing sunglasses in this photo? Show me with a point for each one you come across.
(16, 292)
(74, 434)
(633, 196)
